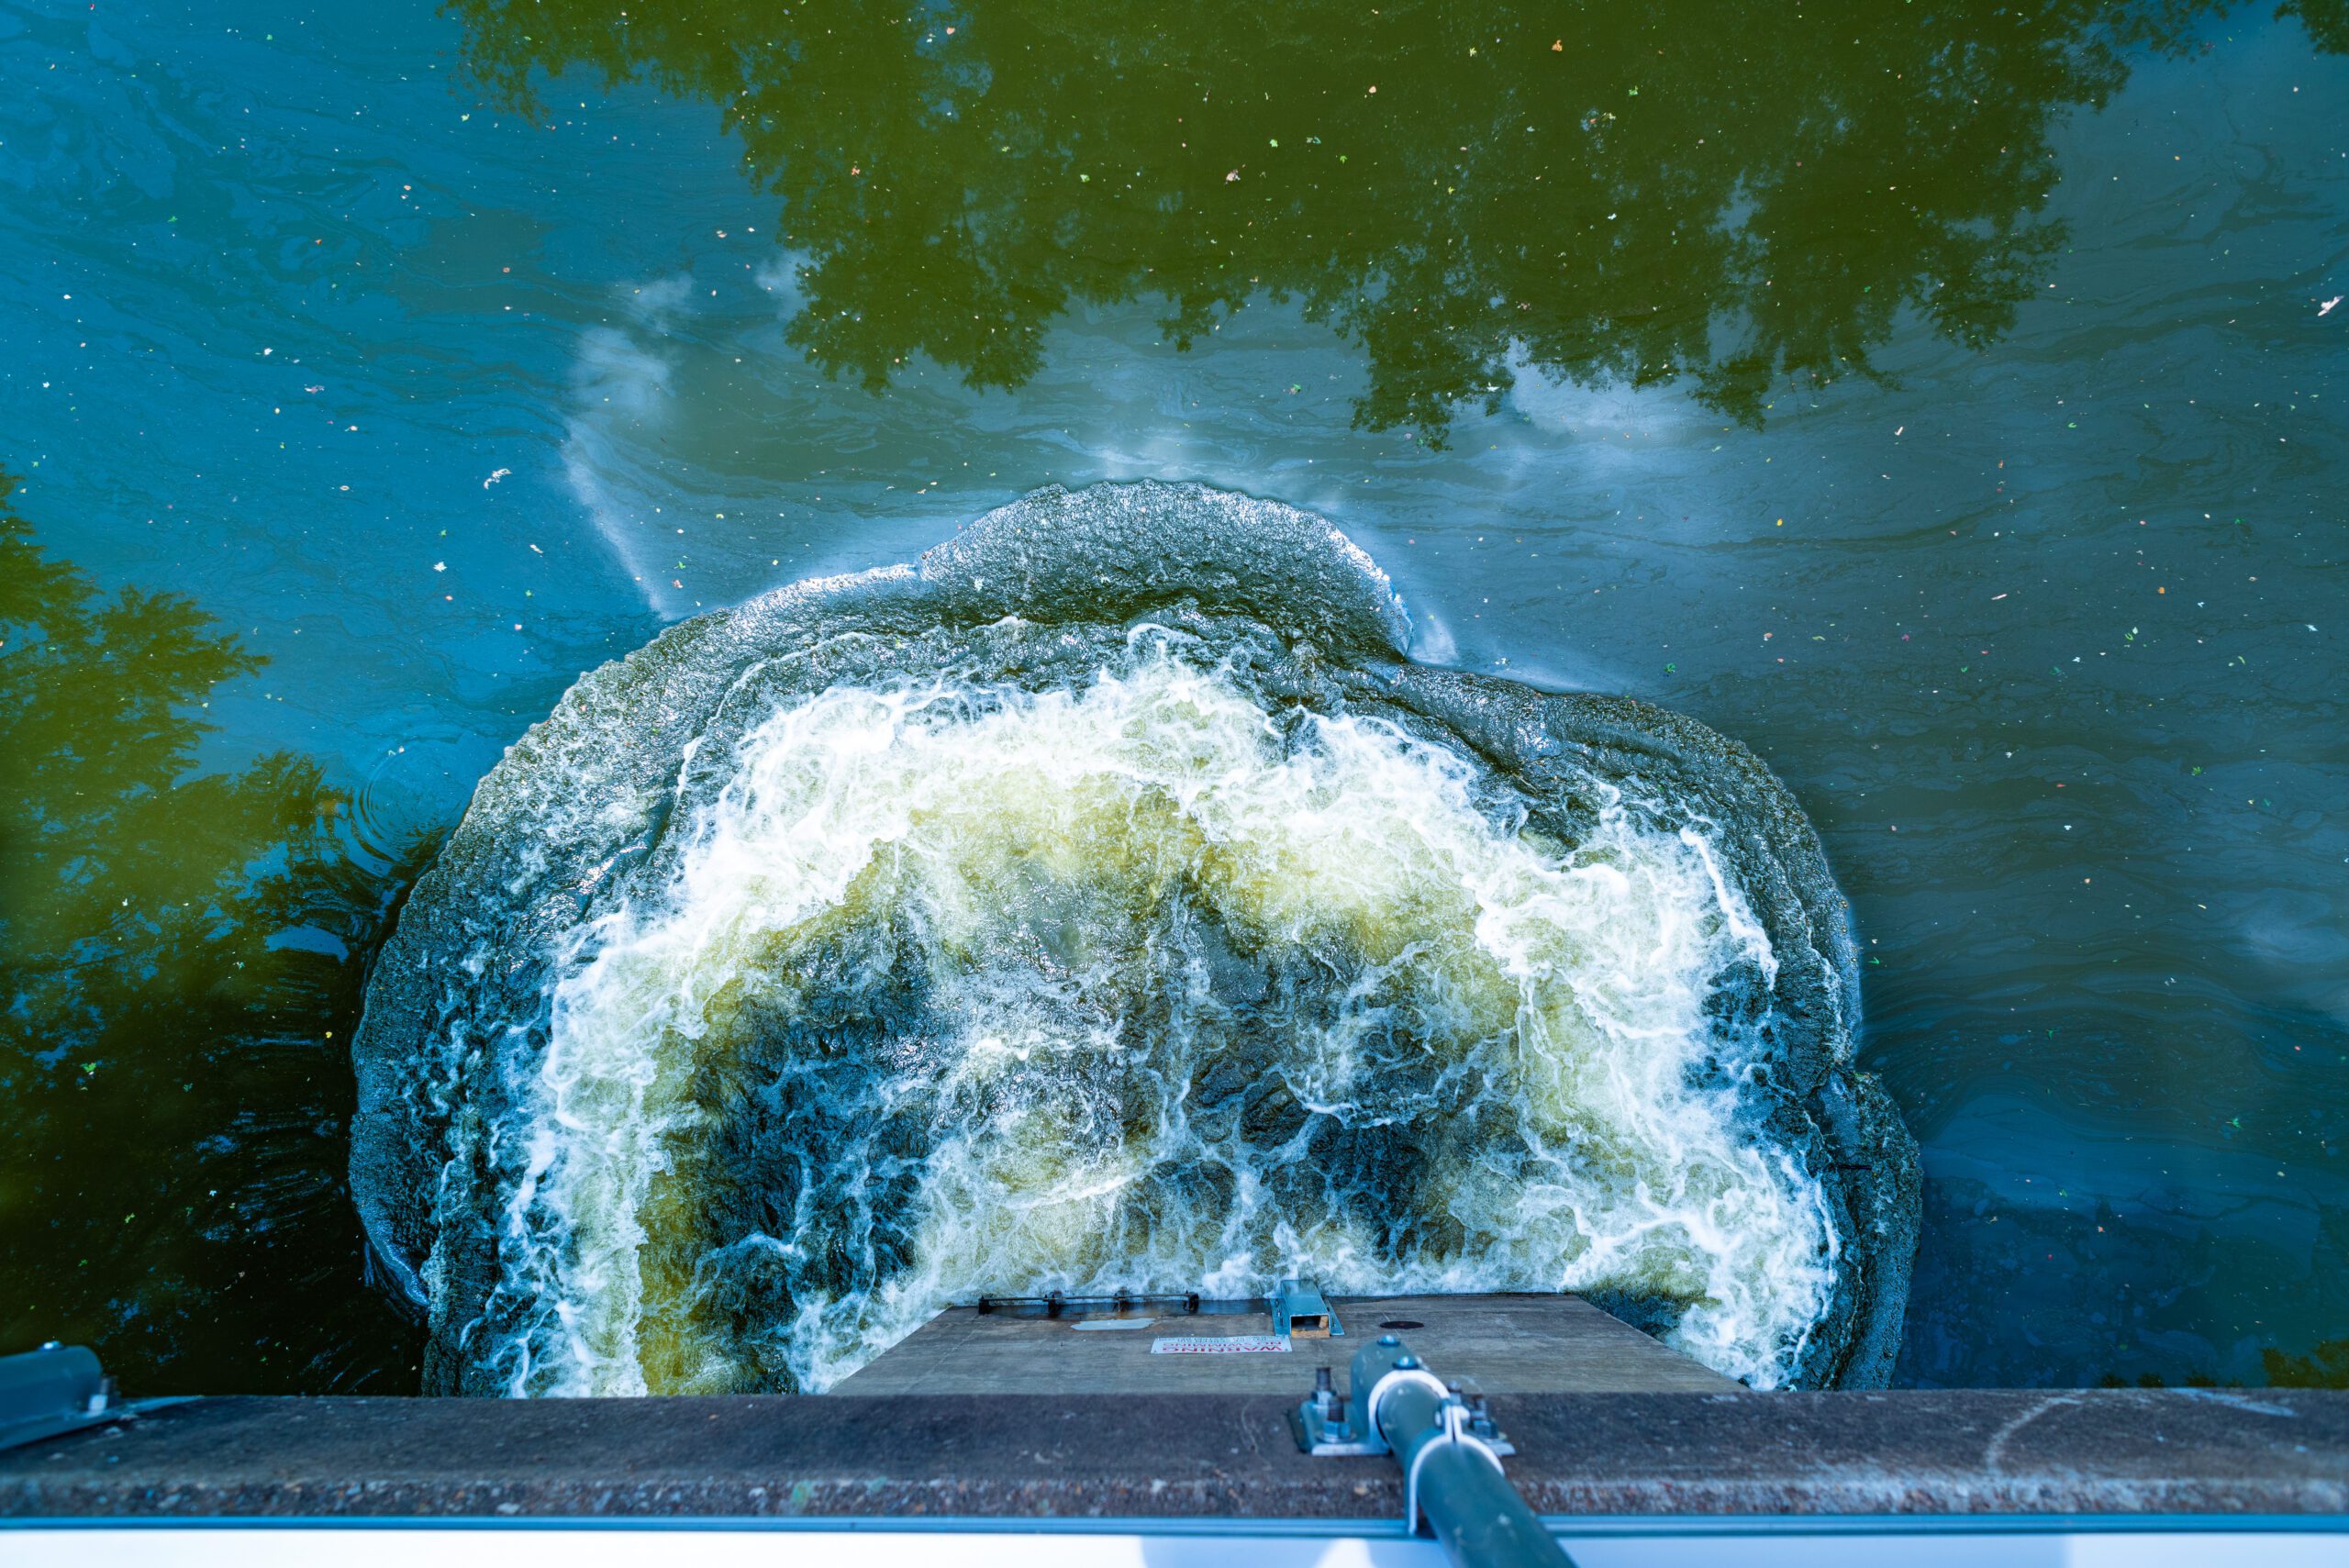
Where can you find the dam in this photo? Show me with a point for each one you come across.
(1081, 1045)
(1380, 786)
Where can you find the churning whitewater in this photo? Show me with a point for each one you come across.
(1107, 901)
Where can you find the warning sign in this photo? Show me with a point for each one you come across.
(1221, 1345)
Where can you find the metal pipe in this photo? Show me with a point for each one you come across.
(1454, 1481)
(51, 1390)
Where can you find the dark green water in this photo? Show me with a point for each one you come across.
(1941, 400)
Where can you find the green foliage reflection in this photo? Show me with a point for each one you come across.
(2325, 1366)
(1712, 191)
(178, 979)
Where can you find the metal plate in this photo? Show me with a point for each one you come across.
(1220, 1345)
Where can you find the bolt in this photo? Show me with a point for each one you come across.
(1390, 1338)
(1321, 1380)
(1407, 1362)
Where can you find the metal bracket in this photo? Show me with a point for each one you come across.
(1297, 1307)
(1456, 1423)
(55, 1389)
(1464, 1498)
(1329, 1424)
(1300, 1311)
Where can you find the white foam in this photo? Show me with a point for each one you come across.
(1075, 870)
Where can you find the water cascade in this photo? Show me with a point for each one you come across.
(1107, 900)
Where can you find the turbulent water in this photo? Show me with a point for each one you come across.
(1107, 901)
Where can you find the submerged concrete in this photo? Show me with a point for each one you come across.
(1921, 1454)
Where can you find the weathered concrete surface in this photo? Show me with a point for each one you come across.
(1936, 1452)
(1547, 1343)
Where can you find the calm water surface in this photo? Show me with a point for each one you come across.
(1946, 402)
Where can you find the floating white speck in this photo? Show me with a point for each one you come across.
(2326, 308)
(496, 477)
(440, 566)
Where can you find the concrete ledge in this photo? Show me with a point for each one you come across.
(1919, 1454)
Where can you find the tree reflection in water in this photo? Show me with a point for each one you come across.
(181, 958)
(1708, 192)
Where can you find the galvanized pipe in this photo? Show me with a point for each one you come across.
(1455, 1482)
